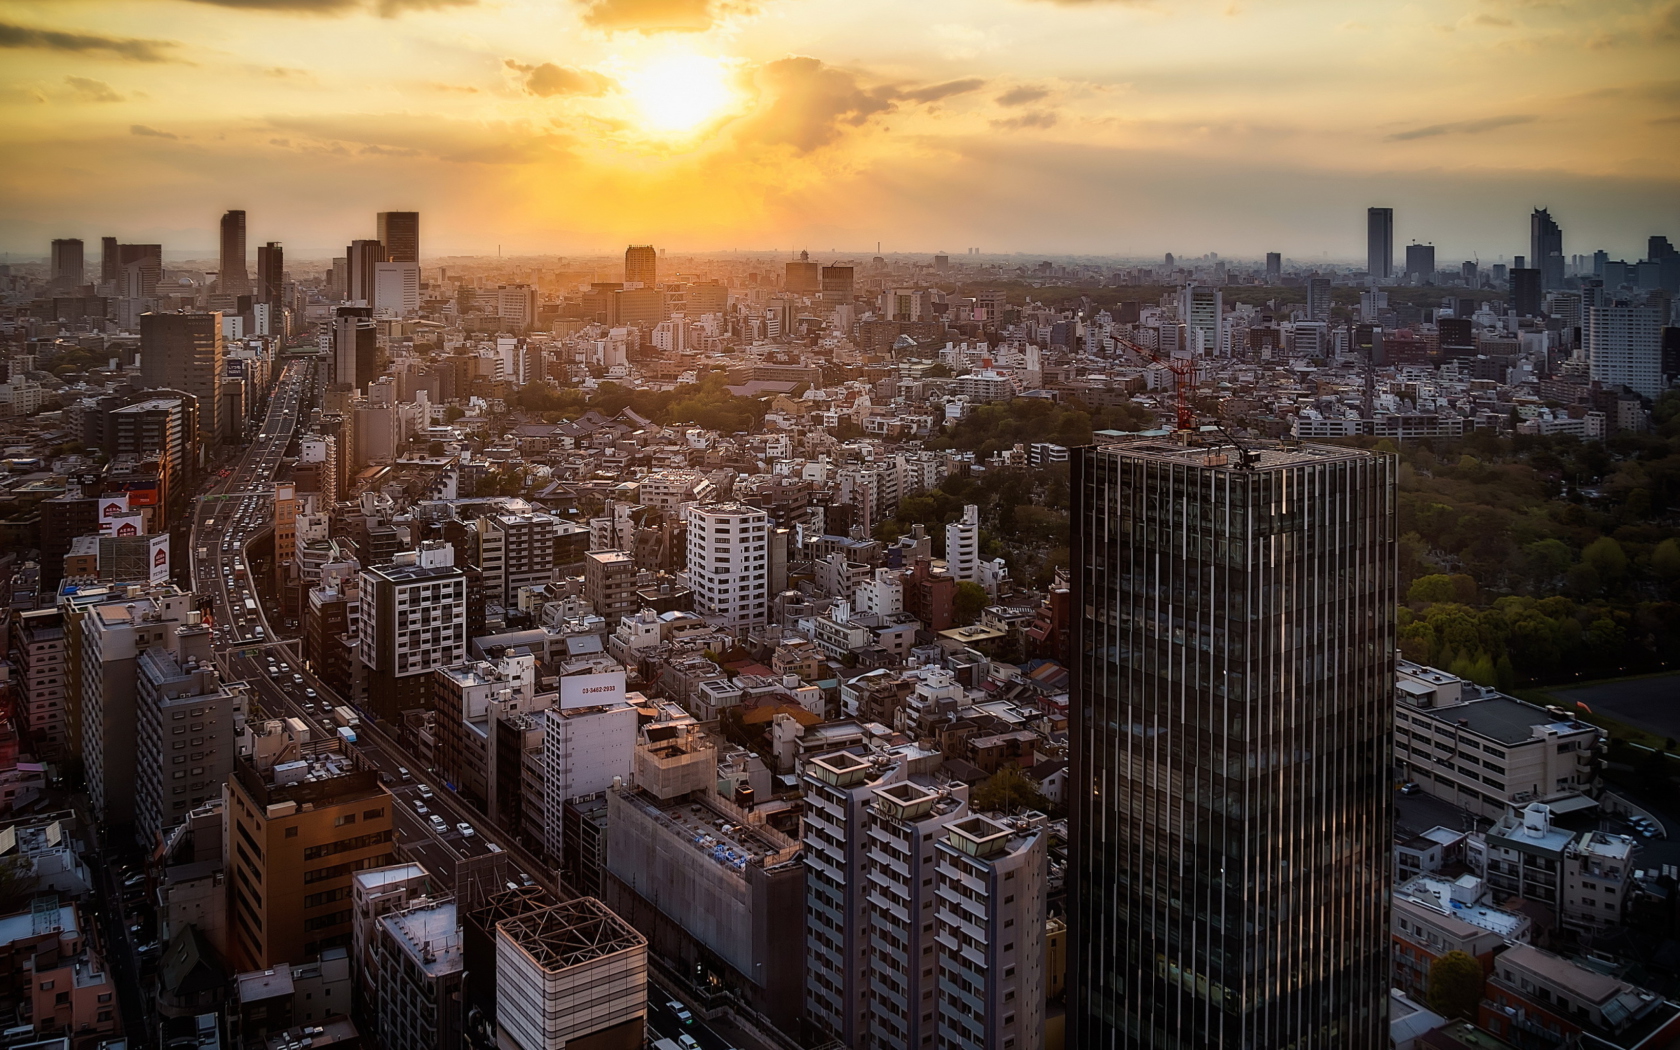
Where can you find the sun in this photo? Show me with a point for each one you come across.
(676, 93)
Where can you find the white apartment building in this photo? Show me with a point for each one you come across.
(962, 545)
(728, 567)
(584, 748)
(396, 288)
(1624, 346)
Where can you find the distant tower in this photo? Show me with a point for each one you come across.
(802, 276)
(235, 279)
(67, 265)
(1420, 260)
(641, 265)
(1319, 299)
(1379, 242)
(271, 270)
(109, 253)
(362, 257)
(1274, 267)
(399, 232)
(1545, 242)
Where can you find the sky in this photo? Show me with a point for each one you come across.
(1107, 127)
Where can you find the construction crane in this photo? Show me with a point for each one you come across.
(1184, 373)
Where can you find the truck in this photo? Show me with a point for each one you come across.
(346, 734)
(346, 716)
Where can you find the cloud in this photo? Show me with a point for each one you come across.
(1022, 95)
(385, 8)
(651, 16)
(1463, 127)
(408, 135)
(92, 90)
(547, 80)
(130, 48)
(1035, 118)
(935, 92)
(812, 103)
(1665, 22)
(151, 133)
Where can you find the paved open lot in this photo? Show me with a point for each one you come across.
(1651, 704)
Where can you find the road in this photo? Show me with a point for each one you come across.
(1651, 703)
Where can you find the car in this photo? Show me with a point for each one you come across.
(402, 771)
(1410, 787)
(420, 808)
(687, 1042)
(465, 829)
(425, 791)
(297, 678)
(310, 692)
(437, 824)
(681, 1011)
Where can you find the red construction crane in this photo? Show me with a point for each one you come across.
(1184, 373)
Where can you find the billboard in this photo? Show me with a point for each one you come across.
(591, 690)
(141, 493)
(128, 525)
(112, 507)
(158, 549)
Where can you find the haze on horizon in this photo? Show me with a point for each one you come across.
(1105, 128)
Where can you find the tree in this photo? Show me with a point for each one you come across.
(1455, 985)
(1007, 791)
(971, 599)
(1665, 560)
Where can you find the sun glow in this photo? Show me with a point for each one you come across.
(678, 92)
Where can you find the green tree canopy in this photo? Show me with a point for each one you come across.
(1455, 985)
(1007, 791)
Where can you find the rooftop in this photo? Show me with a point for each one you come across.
(571, 934)
(1503, 718)
(429, 933)
(1212, 452)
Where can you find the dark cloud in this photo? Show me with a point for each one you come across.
(1034, 118)
(548, 79)
(935, 92)
(130, 48)
(812, 102)
(92, 90)
(151, 133)
(1463, 127)
(1022, 95)
(651, 16)
(1666, 22)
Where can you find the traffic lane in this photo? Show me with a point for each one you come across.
(663, 1020)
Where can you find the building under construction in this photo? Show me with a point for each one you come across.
(574, 975)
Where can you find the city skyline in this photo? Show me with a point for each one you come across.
(1011, 125)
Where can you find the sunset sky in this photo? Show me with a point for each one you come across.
(1235, 126)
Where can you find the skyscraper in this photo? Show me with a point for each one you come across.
(184, 352)
(641, 265)
(271, 273)
(1545, 243)
(1319, 299)
(1525, 292)
(109, 253)
(1229, 813)
(1274, 267)
(726, 562)
(363, 257)
(399, 232)
(1203, 311)
(1420, 260)
(67, 265)
(1379, 242)
(1623, 341)
(234, 278)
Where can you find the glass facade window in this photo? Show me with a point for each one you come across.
(1233, 722)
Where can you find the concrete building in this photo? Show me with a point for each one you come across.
(1623, 343)
(473, 700)
(375, 893)
(41, 651)
(610, 580)
(191, 732)
(396, 289)
(1477, 748)
(1433, 916)
(584, 748)
(184, 352)
(1535, 998)
(962, 546)
(1597, 875)
(571, 975)
(413, 619)
(418, 959)
(299, 828)
(728, 564)
(515, 550)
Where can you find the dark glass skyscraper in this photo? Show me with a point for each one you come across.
(1545, 248)
(1229, 805)
(399, 232)
(234, 278)
(1379, 242)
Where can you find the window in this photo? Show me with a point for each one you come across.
(291, 833)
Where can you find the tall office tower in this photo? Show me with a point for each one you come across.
(114, 636)
(361, 259)
(271, 274)
(191, 728)
(1274, 267)
(1623, 340)
(1545, 242)
(1319, 299)
(297, 831)
(1525, 292)
(399, 232)
(1203, 313)
(355, 346)
(641, 265)
(802, 276)
(1234, 670)
(414, 616)
(728, 564)
(109, 253)
(962, 545)
(67, 266)
(1420, 260)
(184, 352)
(233, 278)
(836, 283)
(1379, 242)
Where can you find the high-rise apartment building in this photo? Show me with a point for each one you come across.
(962, 546)
(1545, 248)
(1234, 673)
(68, 267)
(271, 274)
(1420, 260)
(516, 550)
(641, 265)
(413, 619)
(184, 352)
(583, 750)
(1319, 299)
(233, 278)
(418, 963)
(610, 579)
(1379, 242)
(399, 232)
(1203, 312)
(297, 831)
(190, 728)
(728, 563)
(1623, 341)
(361, 260)
(40, 650)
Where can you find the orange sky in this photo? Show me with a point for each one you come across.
(1236, 126)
